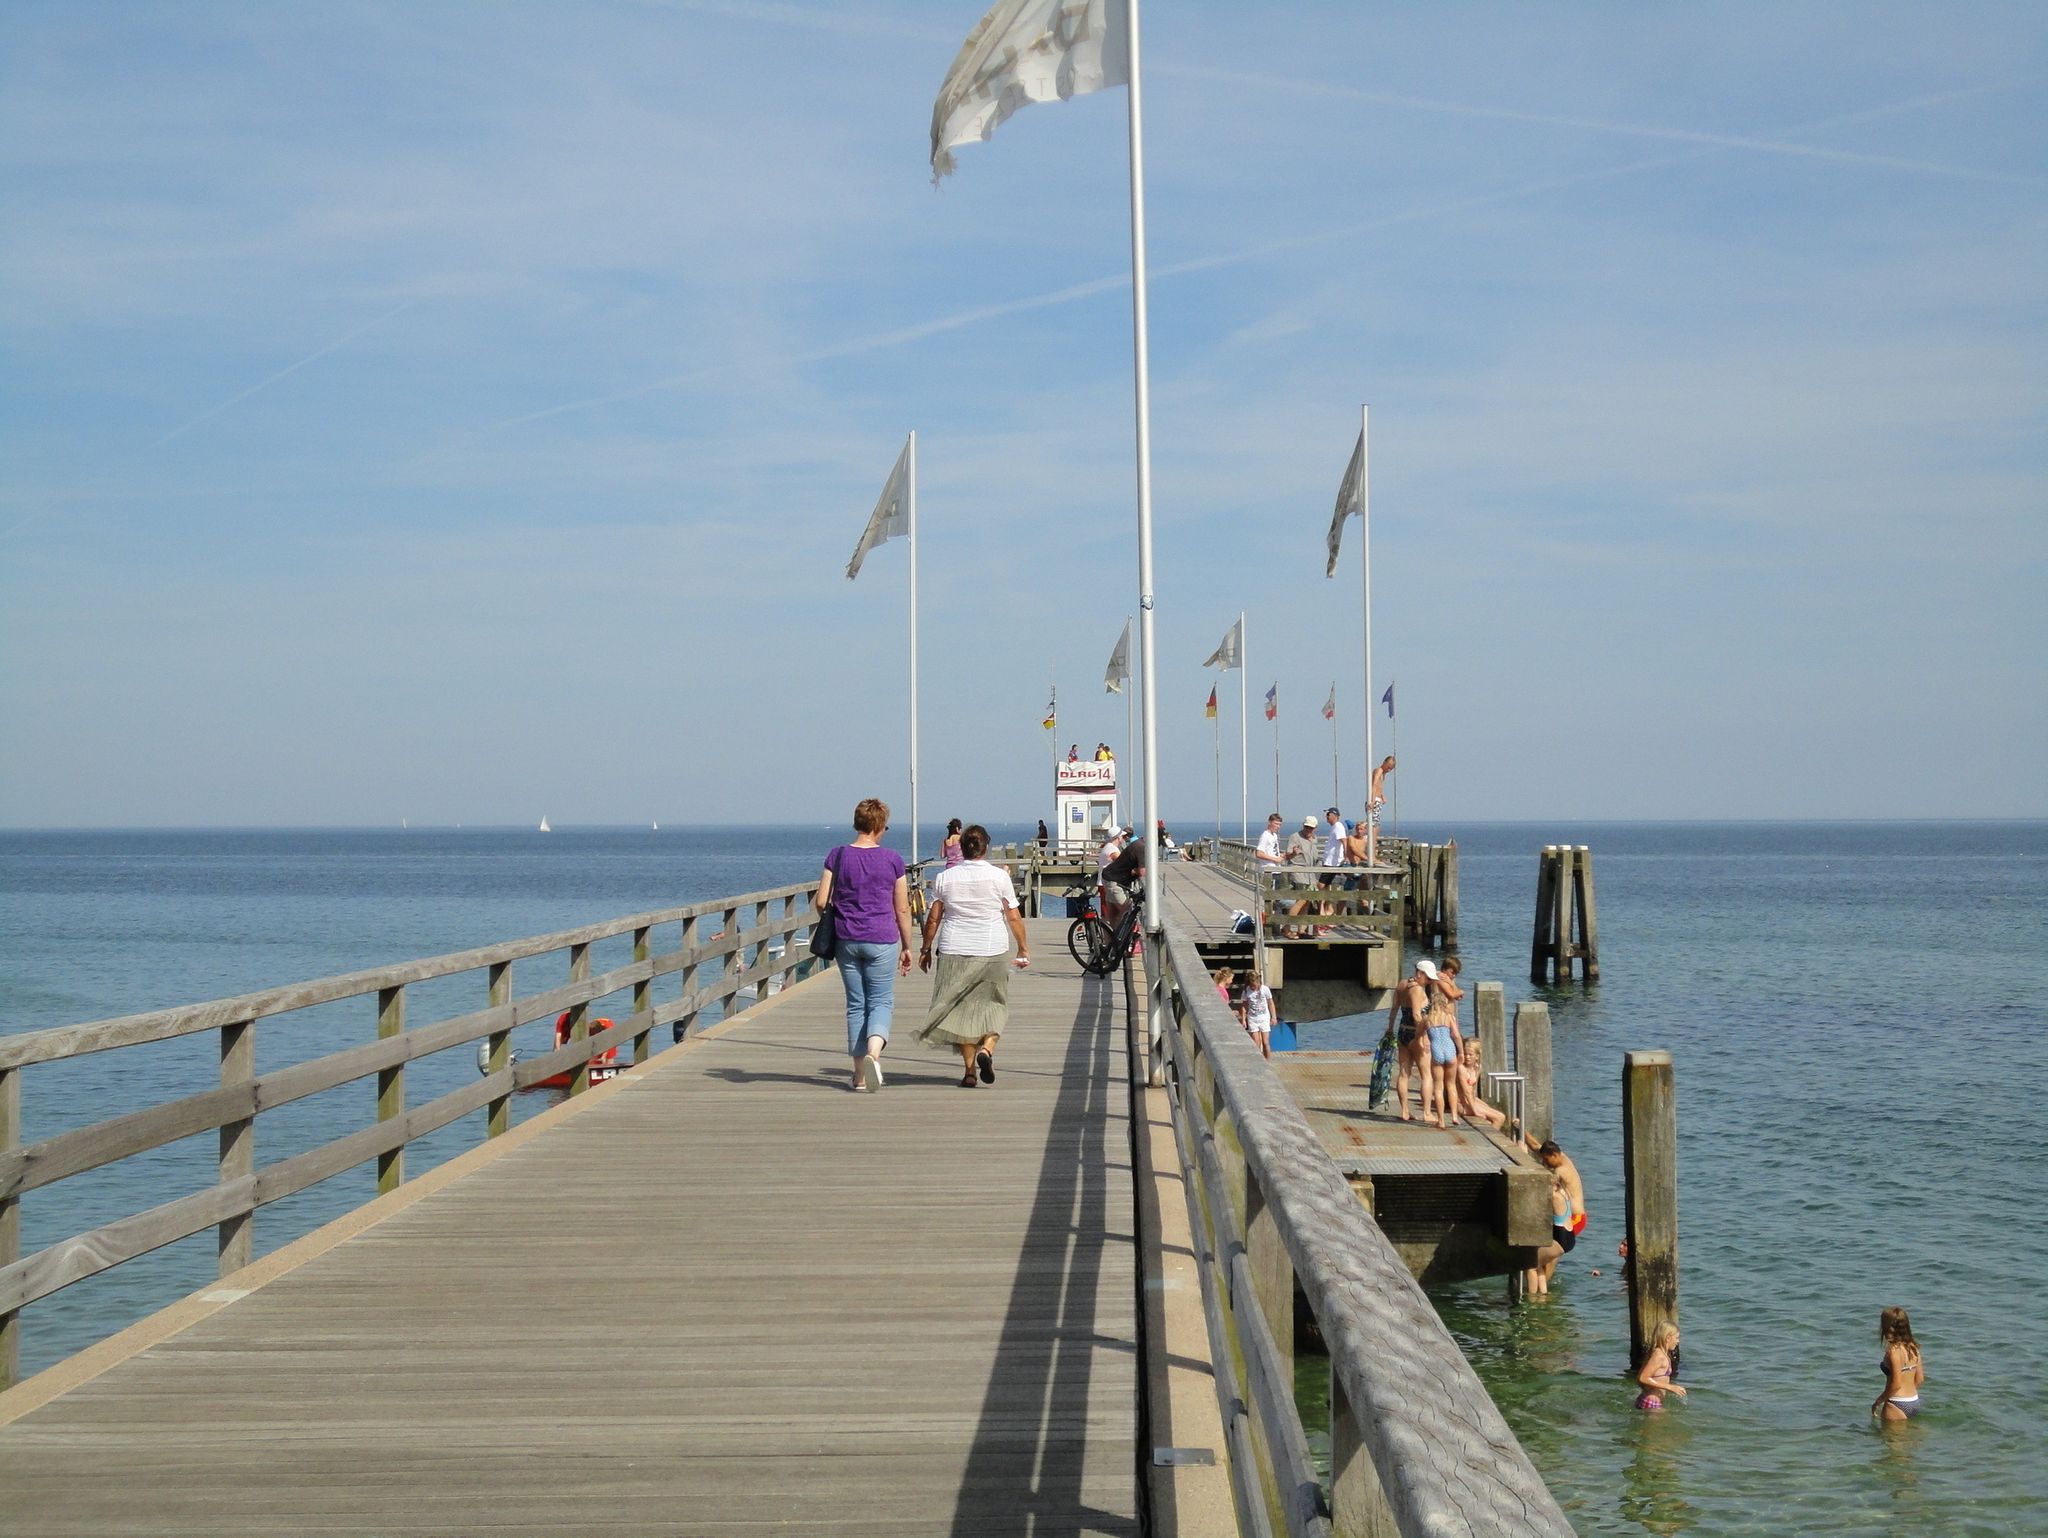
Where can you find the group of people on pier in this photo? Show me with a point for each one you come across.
(973, 934)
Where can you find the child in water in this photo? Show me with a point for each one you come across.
(1658, 1369)
(1903, 1372)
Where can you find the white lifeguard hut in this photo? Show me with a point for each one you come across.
(1084, 801)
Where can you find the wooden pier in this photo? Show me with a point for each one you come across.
(722, 1292)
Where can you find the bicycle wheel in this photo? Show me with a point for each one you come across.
(1105, 947)
(1078, 943)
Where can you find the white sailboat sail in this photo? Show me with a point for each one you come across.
(544, 826)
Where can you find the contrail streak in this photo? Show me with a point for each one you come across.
(284, 373)
(1075, 292)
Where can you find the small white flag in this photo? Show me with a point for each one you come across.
(1024, 51)
(1350, 499)
(891, 517)
(1229, 652)
(1119, 672)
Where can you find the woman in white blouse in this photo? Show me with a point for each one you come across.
(972, 920)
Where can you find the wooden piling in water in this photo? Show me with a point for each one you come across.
(1565, 926)
(1532, 1062)
(1649, 1155)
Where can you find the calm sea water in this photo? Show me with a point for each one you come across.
(1862, 1047)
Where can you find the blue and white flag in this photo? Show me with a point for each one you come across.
(1387, 700)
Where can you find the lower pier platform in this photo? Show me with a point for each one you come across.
(1456, 1203)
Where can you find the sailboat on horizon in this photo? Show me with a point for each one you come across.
(544, 825)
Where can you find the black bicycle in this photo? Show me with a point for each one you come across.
(1100, 946)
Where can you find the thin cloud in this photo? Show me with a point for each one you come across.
(1772, 146)
(285, 373)
(1073, 293)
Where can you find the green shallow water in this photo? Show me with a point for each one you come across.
(1862, 1048)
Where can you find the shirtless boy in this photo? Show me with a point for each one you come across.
(1567, 1213)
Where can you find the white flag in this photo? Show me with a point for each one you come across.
(891, 517)
(1119, 672)
(1350, 499)
(1230, 653)
(1024, 51)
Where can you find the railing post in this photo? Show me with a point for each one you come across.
(733, 963)
(10, 1223)
(643, 994)
(391, 1086)
(1272, 1270)
(1358, 1506)
(688, 976)
(235, 1234)
(1532, 1062)
(786, 973)
(760, 950)
(1490, 1020)
(579, 1015)
(498, 1114)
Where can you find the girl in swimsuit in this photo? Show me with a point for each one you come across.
(1659, 1368)
(1901, 1366)
(1440, 1072)
(1468, 1087)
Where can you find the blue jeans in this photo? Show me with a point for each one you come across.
(868, 969)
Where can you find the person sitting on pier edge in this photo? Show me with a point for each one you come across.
(1568, 1214)
(1376, 799)
(1468, 1087)
(972, 905)
(1408, 1014)
(869, 892)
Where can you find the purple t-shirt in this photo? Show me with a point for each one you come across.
(864, 891)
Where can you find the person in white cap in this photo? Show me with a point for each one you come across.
(1408, 1016)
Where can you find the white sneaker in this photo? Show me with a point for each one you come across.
(871, 1070)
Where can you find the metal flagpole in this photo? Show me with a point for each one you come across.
(1130, 768)
(1244, 761)
(1336, 784)
(1155, 975)
(1216, 727)
(1365, 549)
(1142, 403)
(910, 512)
(1394, 747)
(1276, 752)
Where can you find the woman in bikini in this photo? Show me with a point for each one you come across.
(1901, 1365)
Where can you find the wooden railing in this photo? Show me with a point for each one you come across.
(1416, 1445)
(755, 948)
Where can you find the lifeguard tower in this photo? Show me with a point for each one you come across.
(1084, 802)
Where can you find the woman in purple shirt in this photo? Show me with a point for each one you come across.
(866, 885)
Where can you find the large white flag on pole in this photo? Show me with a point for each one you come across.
(1229, 651)
(1350, 499)
(1119, 671)
(1022, 52)
(891, 517)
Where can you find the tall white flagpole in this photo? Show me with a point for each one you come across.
(910, 517)
(1365, 549)
(1140, 346)
(1126, 775)
(1244, 757)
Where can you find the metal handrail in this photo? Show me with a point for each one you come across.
(1425, 1450)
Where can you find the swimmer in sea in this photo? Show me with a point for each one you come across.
(1659, 1368)
(1901, 1365)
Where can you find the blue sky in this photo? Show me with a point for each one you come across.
(464, 412)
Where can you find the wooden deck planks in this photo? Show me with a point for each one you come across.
(735, 1298)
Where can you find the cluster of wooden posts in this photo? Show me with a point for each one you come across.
(757, 947)
(1567, 927)
(1429, 908)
